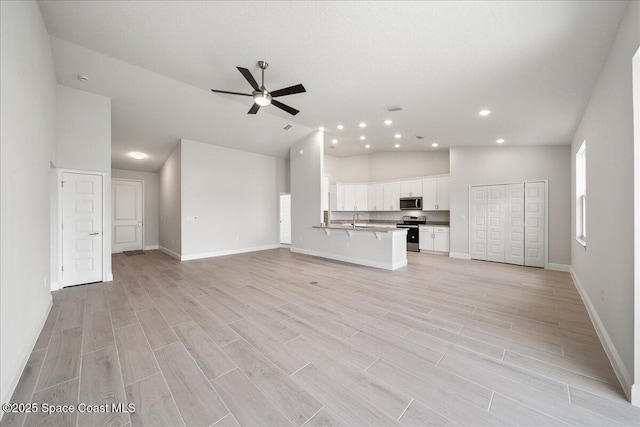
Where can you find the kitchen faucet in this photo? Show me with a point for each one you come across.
(355, 216)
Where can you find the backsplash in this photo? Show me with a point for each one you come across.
(439, 216)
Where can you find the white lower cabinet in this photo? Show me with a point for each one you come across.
(434, 238)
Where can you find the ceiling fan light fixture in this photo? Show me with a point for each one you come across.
(262, 98)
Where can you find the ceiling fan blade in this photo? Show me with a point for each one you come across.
(254, 109)
(230, 93)
(288, 91)
(247, 75)
(284, 107)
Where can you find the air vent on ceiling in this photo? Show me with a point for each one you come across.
(394, 108)
(287, 127)
(419, 137)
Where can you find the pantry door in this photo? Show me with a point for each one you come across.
(127, 220)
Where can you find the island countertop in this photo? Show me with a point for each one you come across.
(361, 228)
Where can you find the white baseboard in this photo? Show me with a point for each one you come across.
(360, 261)
(25, 357)
(55, 286)
(228, 252)
(558, 267)
(169, 252)
(614, 357)
(151, 247)
(635, 395)
(459, 255)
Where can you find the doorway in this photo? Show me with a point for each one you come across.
(127, 225)
(82, 214)
(285, 219)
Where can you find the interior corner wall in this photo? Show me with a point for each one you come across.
(503, 165)
(170, 204)
(151, 216)
(307, 158)
(83, 128)
(605, 266)
(28, 140)
(230, 200)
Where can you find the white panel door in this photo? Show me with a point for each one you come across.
(535, 212)
(514, 235)
(127, 216)
(478, 221)
(285, 219)
(495, 223)
(429, 194)
(82, 234)
(442, 190)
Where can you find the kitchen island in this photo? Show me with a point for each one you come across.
(373, 246)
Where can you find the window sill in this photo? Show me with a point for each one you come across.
(582, 241)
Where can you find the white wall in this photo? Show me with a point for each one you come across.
(27, 132)
(83, 128)
(150, 202)
(169, 204)
(385, 166)
(306, 177)
(606, 264)
(499, 165)
(230, 200)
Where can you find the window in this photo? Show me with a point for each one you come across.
(581, 194)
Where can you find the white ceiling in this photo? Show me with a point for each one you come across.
(533, 64)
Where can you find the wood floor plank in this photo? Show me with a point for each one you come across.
(418, 415)
(214, 327)
(101, 384)
(135, 355)
(171, 311)
(219, 309)
(25, 387)
(47, 330)
(62, 394)
(337, 329)
(121, 312)
(248, 404)
(97, 330)
(196, 399)
(157, 330)
(272, 348)
(325, 418)
(279, 330)
(138, 298)
(521, 415)
(623, 413)
(154, 405)
(210, 358)
(96, 299)
(62, 362)
(294, 402)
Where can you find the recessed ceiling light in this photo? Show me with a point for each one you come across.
(340, 127)
(363, 137)
(397, 136)
(435, 144)
(321, 128)
(362, 125)
(388, 122)
(138, 155)
(335, 141)
(484, 113)
(367, 146)
(500, 141)
(397, 145)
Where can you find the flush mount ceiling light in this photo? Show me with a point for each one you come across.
(82, 78)
(397, 136)
(362, 125)
(397, 145)
(340, 127)
(321, 128)
(335, 141)
(388, 122)
(138, 155)
(484, 113)
(363, 137)
(367, 146)
(500, 141)
(435, 144)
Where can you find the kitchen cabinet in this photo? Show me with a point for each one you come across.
(375, 199)
(391, 196)
(351, 197)
(435, 194)
(412, 188)
(362, 197)
(339, 206)
(434, 238)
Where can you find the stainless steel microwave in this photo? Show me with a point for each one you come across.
(411, 203)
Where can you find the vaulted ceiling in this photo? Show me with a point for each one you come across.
(533, 64)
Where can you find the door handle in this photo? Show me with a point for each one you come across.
(93, 234)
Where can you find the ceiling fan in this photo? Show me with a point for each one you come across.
(261, 96)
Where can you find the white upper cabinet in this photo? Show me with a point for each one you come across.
(375, 200)
(435, 194)
(339, 206)
(411, 188)
(349, 197)
(391, 196)
(362, 197)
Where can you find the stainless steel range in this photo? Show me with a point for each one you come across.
(411, 223)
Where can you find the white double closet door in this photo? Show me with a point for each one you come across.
(508, 223)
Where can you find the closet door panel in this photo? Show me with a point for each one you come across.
(514, 235)
(478, 221)
(535, 212)
(495, 220)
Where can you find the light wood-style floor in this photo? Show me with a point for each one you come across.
(278, 339)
